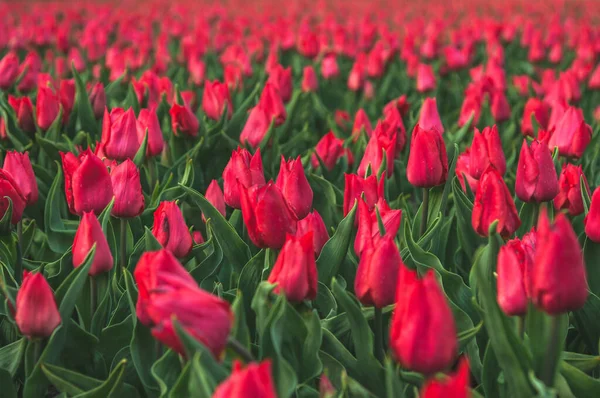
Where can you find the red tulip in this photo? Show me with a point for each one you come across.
(245, 168)
(377, 273)
(205, 317)
(315, 224)
(254, 381)
(342, 119)
(119, 134)
(499, 107)
(422, 332)
(66, 93)
(155, 273)
(379, 143)
(308, 44)
(454, 386)
(24, 111)
(98, 99)
(493, 201)
(19, 167)
(463, 171)
(354, 188)
(536, 177)
(256, 127)
(88, 186)
(558, 279)
(127, 188)
(9, 70)
(361, 121)
(569, 190)
(486, 150)
(281, 78)
(330, 149)
(183, 121)
(214, 195)
(429, 118)
(514, 264)
(425, 78)
(572, 135)
(47, 107)
(427, 160)
(271, 103)
(89, 233)
(392, 123)
(329, 67)
(36, 312)
(295, 271)
(10, 189)
(356, 77)
(368, 224)
(592, 219)
(471, 107)
(540, 111)
(148, 120)
(294, 186)
(170, 229)
(214, 99)
(309, 80)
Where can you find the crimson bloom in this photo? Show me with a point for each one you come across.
(89, 233)
(170, 229)
(37, 314)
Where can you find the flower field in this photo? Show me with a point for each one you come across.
(309, 199)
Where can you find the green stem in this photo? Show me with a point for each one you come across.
(37, 349)
(123, 242)
(240, 350)
(19, 263)
(379, 352)
(93, 295)
(536, 213)
(424, 212)
(521, 326)
(552, 352)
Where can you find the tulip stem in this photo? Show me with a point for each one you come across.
(123, 247)
(521, 327)
(552, 353)
(37, 349)
(536, 213)
(424, 212)
(240, 350)
(19, 263)
(379, 353)
(93, 296)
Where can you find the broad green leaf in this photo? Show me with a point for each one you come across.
(85, 113)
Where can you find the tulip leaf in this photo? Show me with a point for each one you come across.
(335, 250)
(588, 322)
(205, 375)
(6, 221)
(234, 248)
(239, 329)
(85, 113)
(70, 290)
(151, 243)
(131, 101)
(8, 387)
(585, 363)
(234, 127)
(60, 237)
(166, 370)
(181, 388)
(469, 240)
(585, 194)
(582, 385)
(140, 155)
(143, 348)
(112, 386)
(19, 140)
(460, 134)
(11, 356)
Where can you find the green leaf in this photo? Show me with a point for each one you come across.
(588, 322)
(335, 250)
(112, 385)
(585, 363)
(234, 248)
(6, 221)
(70, 290)
(60, 237)
(85, 113)
(140, 155)
(151, 243)
(131, 101)
(166, 370)
(582, 385)
(11, 356)
(591, 253)
(585, 195)
(8, 387)
(468, 238)
(239, 330)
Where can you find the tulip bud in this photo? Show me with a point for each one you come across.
(513, 264)
(66, 94)
(592, 219)
(88, 186)
(429, 117)
(294, 186)
(425, 78)
(170, 229)
(215, 196)
(536, 177)
(427, 160)
(330, 149)
(98, 100)
(558, 279)
(197, 238)
(342, 119)
(9, 188)
(24, 111)
(455, 386)
(493, 201)
(379, 143)
(183, 121)
(281, 78)
(295, 271)
(148, 120)
(356, 77)
(89, 233)
(499, 107)
(266, 215)
(19, 167)
(256, 380)
(329, 67)
(361, 121)
(47, 107)
(368, 224)
(9, 70)
(309, 80)
(271, 104)
(315, 224)
(383, 258)
(119, 134)
(157, 272)
(355, 186)
(256, 127)
(37, 315)
(127, 188)
(403, 106)
(470, 108)
(463, 171)
(540, 111)
(572, 135)
(486, 150)
(205, 317)
(326, 388)
(569, 190)
(245, 168)
(214, 99)
(422, 332)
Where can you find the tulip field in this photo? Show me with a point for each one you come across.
(311, 199)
